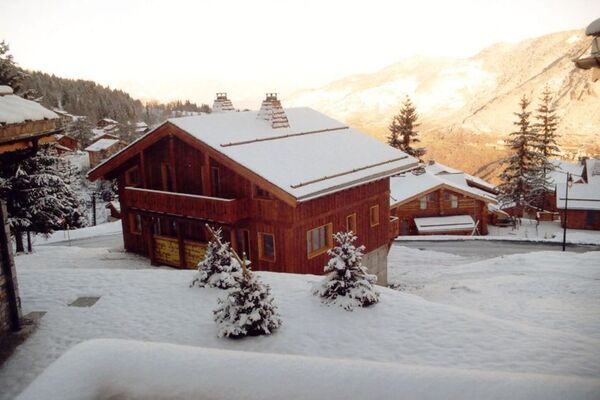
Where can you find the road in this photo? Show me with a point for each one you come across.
(467, 248)
(489, 249)
(109, 241)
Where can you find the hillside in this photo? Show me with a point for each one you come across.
(466, 105)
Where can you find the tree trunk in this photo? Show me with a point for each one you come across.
(19, 241)
(29, 241)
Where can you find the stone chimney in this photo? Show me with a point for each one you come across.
(222, 104)
(272, 112)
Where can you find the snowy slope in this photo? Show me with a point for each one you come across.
(142, 370)
(447, 331)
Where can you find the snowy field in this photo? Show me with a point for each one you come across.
(525, 315)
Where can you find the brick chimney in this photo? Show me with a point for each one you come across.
(222, 104)
(272, 112)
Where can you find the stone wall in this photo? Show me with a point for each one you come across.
(376, 262)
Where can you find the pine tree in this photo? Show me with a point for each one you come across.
(10, 74)
(218, 269)
(402, 130)
(545, 144)
(348, 283)
(520, 173)
(38, 198)
(247, 310)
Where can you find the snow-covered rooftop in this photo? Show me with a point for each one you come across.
(582, 195)
(101, 144)
(559, 175)
(313, 156)
(445, 224)
(411, 184)
(15, 109)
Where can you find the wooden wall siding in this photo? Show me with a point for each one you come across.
(440, 207)
(27, 129)
(581, 219)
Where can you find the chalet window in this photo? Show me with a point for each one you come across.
(132, 177)
(423, 203)
(319, 240)
(266, 246)
(242, 238)
(453, 201)
(135, 224)
(351, 223)
(374, 215)
(215, 180)
(157, 227)
(261, 193)
(167, 177)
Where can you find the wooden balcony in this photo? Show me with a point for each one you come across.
(215, 209)
(394, 228)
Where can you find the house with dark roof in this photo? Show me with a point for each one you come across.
(279, 182)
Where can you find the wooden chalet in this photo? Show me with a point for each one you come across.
(436, 199)
(103, 148)
(107, 123)
(582, 208)
(24, 124)
(278, 182)
(67, 142)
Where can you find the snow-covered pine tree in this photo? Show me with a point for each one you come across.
(248, 309)
(402, 130)
(38, 198)
(218, 269)
(545, 144)
(348, 284)
(520, 174)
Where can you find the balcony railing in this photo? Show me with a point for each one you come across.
(186, 205)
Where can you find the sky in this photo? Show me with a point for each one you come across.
(191, 49)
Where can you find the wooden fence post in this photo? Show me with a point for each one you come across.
(8, 272)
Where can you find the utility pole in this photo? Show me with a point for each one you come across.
(567, 186)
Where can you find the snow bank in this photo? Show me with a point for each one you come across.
(108, 369)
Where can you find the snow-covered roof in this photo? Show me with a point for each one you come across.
(314, 156)
(445, 224)
(437, 168)
(101, 144)
(559, 175)
(109, 120)
(411, 184)
(582, 196)
(592, 170)
(141, 124)
(15, 109)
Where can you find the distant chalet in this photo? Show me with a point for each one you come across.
(279, 182)
(437, 199)
(583, 204)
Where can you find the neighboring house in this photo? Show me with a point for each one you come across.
(103, 148)
(583, 204)
(278, 182)
(107, 122)
(24, 124)
(68, 142)
(436, 199)
(99, 133)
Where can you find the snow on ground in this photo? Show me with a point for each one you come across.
(522, 314)
(132, 370)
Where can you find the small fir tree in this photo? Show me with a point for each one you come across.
(402, 130)
(545, 144)
(348, 283)
(218, 269)
(248, 309)
(519, 175)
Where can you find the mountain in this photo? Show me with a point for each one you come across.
(466, 105)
